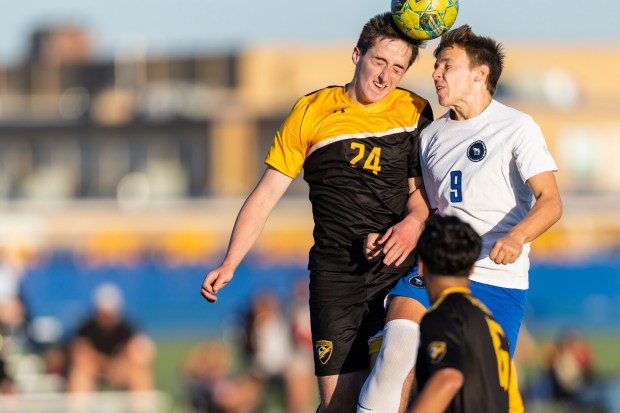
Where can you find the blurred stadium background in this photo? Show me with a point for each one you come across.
(130, 168)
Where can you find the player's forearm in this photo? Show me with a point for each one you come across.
(438, 391)
(248, 227)
(253, 215)
(546, 211)
(417, 208)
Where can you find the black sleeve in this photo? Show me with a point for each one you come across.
(426, 117)
(441, 341)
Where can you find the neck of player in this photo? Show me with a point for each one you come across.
(471, 107)
(436, 284)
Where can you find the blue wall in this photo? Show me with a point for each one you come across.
(166, 301)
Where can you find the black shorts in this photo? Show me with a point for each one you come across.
(345, 311)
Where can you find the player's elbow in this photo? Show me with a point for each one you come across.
(551, 207)
(557, 208)
(452, 379)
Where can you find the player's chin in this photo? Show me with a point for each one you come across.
(443, 100)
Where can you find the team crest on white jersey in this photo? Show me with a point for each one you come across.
(324, 350)
(477, 151)
(436, 351)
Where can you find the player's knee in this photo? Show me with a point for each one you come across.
(405, 308)
(391, 355)
(401, 338)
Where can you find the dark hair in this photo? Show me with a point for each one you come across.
(448, 246)
(382, 26)
(480, 51)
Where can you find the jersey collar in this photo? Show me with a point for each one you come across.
(447, 292)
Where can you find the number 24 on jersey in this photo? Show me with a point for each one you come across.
(372, 161)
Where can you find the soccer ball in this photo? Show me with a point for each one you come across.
(424, 19)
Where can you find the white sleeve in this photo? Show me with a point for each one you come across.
(531, 152)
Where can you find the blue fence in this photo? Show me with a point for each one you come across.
(166, 301)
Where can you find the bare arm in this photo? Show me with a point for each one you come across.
(438, 391)
(399, 240)
(546, 211)
(248, 226)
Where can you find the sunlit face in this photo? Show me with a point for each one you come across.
(454, 79)
(379, 71)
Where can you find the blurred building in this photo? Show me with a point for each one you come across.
(112, 155)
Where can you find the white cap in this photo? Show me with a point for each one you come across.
(108, 297)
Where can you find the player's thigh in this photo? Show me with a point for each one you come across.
(345, 310)
(405, 308)
(408, 299)
(507, 306)
(339, 393)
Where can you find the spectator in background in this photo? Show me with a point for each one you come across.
(278, 354)
(301, 391)
(569, 365)
(267, 338)
(12, 316)
(208, 378)
(267, 344)
(279, 348)
(107, 347)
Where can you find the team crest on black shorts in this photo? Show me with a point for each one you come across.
(324, 350)
(416, 281)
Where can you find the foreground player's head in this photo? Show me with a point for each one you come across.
(448, 247)
(480, 51)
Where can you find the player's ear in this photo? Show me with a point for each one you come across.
(482, 73)
(356, 55)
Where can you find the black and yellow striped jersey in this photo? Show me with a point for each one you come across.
(459, 332)
(356, 160)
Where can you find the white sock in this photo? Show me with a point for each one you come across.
(383, 388)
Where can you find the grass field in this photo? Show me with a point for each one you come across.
(171, 354)
(167, 368)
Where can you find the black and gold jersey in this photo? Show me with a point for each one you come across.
(356, 160)
(459, 332)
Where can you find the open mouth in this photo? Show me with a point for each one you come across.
(380, 85)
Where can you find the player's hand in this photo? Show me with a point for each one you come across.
(372, 251)
(398, 242)
(506, 250)
(214, 282)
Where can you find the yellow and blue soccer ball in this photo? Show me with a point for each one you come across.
(424, 19)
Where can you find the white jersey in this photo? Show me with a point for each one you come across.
(476, 169)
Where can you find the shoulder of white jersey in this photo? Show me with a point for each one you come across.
(502, 111)
(435, 126)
